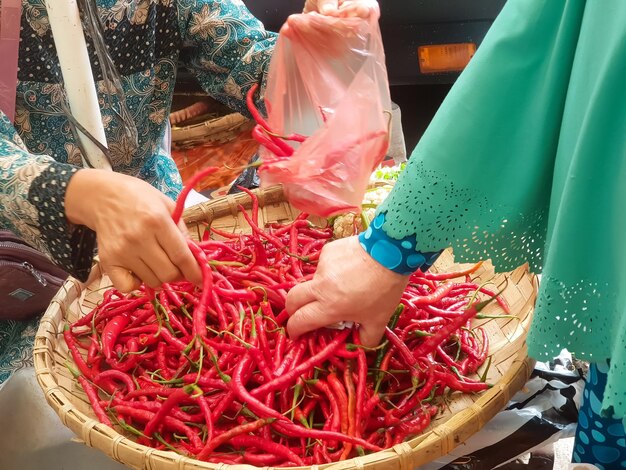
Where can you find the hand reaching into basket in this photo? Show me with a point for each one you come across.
(137, 239)
(349, 285)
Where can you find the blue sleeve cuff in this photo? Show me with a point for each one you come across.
(399, 256)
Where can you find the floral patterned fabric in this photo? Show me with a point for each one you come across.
(16, 344)
(218, 40)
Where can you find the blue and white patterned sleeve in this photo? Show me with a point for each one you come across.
(226, 48)
(400, 256)
(32, 197)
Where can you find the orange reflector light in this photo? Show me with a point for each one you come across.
(445, 57)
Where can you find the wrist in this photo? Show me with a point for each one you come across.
(80, 208)
(399, 256)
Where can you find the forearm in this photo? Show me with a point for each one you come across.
(32, 195)
(227, 49)
(79, 203)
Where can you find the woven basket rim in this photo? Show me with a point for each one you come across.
(405, 454)
(229, 125)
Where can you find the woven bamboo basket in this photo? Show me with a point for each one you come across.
(201, 119)
(464, 416)
(209, 134)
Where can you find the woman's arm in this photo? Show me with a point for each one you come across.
(229, 50)
(32, 197)
(225, 47)
(59, 208)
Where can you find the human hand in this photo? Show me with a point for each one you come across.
(343, 8)
(137, 239)
(349, 285)
(334, 26)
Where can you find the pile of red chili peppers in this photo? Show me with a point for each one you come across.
(209, 371)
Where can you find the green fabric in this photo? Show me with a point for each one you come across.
(525, 161)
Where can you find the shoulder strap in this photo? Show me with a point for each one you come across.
(10, 19)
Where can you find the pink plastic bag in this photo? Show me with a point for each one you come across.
(328, 81)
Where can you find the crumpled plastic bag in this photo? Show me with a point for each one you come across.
(540, 414)
(328, 81)
(248, 179)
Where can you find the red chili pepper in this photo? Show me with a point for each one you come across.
(335, 424)
(452, 275)
(478, 358)
(142, 316)
(78, 359)
(171, 293)
(239, 389)
(127, 307)
(255, 203)
(260, 120)
(361, 383)
(171, 339)
(92, 395)
(446, 357)
(223, 234)
(225, 347)
(294, 373)
(439, 293)
(258, 231)
(94, 348)
(110, 333)
(352, 425)
(414, 426)
(223, 405)
(118, 376)
(269, 447)
(199, 313)
(446, 313)
(208, 418)
(242, 295)
(173, 318)
(169, 423)
(156, 391)
(294, 430)
(470, 287)
(408, 356)
(462, 386)
(342, 400)
(132, 359)
(228, 435)
(254, 111)
(164, 369)
(193, 181)
(274, 145)
(173, 400)
(106, 302)
(296, 351)
(155, 406)
(430, 343)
